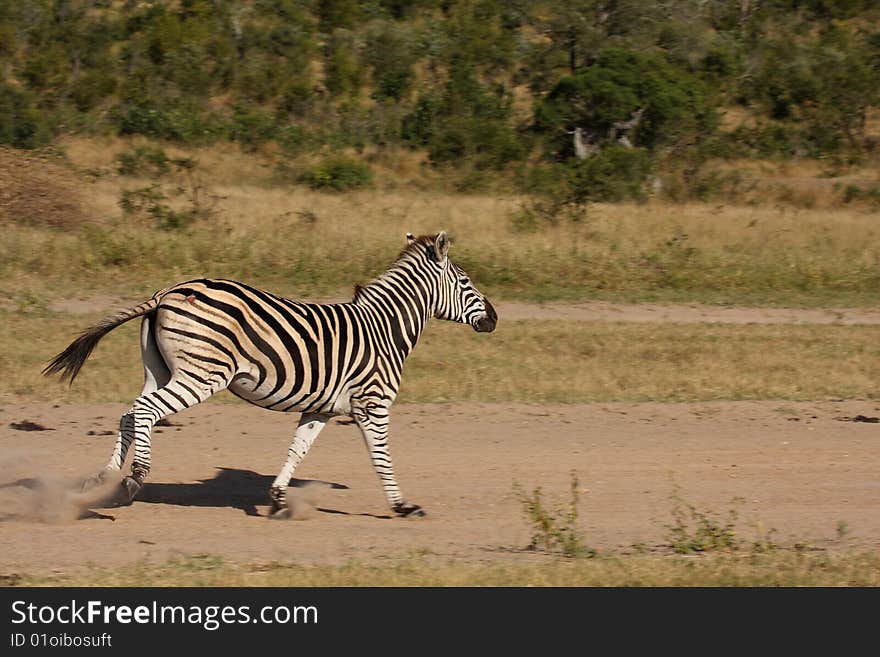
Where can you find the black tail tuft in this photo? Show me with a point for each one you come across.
(69, 362)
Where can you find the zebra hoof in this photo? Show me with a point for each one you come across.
(278, 509)
(410, 511)
(282, 513)
(132, 487)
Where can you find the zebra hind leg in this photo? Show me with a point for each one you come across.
(123, 441)
(148, 409)
(156, 375)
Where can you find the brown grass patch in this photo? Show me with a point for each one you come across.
(36, 190)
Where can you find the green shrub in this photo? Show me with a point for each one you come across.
(343, 71)
(91, 88)
(185, 188)
(821, 85)
(145, 160)
(389, 54)
(855, 193)
(20, 125)
(614, 174)
(338, 174)
(418, 126)
(293, 139)
(469, 121)
(548, 179)
(183, 122)
(150, 201)
(252, 127)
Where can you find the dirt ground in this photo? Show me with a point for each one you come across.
(801, 468)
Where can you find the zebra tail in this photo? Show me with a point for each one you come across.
(70, 361)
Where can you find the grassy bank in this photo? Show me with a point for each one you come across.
(777, 568)
(253, 226)
(530, 361)
(655, 252)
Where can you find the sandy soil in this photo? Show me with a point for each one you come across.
(799, 467)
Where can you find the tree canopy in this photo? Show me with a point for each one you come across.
(486, 82)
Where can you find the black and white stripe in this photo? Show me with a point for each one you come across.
(321, 360)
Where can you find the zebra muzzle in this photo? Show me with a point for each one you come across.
(486, 323)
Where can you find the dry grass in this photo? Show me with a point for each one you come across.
(303, 243)
(587, 361)
(776, 568)
(812, 184)
(530, 361)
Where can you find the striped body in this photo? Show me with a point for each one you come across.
(321, 360)
(280, 354)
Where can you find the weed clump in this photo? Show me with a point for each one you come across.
(554, 531)
(695, 531)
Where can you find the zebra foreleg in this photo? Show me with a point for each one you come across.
(372, 418)
(310, 425)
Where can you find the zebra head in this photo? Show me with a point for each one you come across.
(457, 298)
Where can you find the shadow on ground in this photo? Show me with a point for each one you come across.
(231, 487)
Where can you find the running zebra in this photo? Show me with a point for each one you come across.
(321, 360)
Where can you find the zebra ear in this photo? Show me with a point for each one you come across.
(441, 246)
(410, 238)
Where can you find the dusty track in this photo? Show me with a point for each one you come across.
(796, 467)
(684, 313)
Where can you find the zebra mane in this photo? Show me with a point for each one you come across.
(411, 249)
(422, 240)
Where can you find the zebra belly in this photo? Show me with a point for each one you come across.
(298, 402)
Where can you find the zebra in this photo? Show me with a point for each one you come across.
(321, 360)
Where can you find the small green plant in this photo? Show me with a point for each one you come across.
(150, 200)
(146, 160)
(854, 193)
(764, 542)
(554, 531)
(694, 530)
(339, 174)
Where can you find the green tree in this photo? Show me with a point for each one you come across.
(343, 69)
(821, 85)
(672, 104)
(389, 53)
(21, 125)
